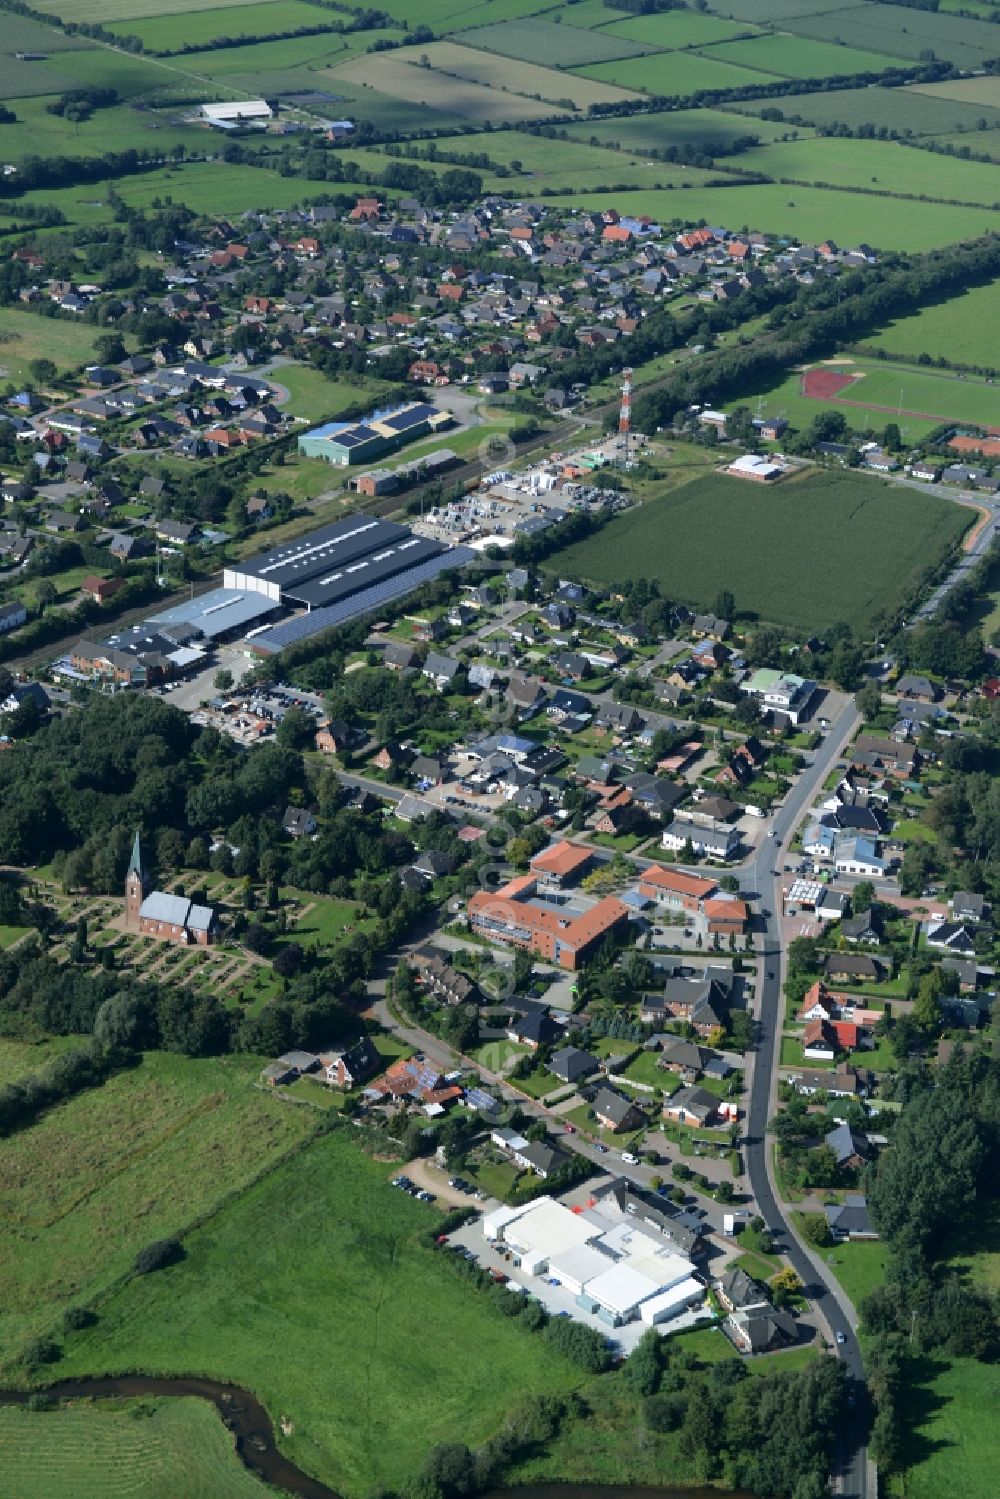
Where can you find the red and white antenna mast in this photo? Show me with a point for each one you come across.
(625, 415)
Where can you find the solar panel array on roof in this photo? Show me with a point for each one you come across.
(355, 436)
(365, 602)
(323, 550)
(400, 421)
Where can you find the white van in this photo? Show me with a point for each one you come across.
(629, 1158)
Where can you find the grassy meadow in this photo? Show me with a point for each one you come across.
(719, 532)
(800, 57)
(111, 1169)
(961, 329)
(161, 32)
(674, 74)
(123, 1450)
(878, 166)
(317, 1258)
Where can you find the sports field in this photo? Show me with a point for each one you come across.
(894, 391)
(806, 553)
(115, 1167)
(171, 1449)
(878, 166)
(800, 57)
(809, 213)
(317, 1258)
(962, 329)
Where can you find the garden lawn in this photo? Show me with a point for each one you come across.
(494, 1055)
(859, 1267)
(123, 1450)
(111, 1169)
(326, 1241)
(877, 541)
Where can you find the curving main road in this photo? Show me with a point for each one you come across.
(761, 876)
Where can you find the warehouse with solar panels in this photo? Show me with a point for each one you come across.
(345, 443)
(338, 573)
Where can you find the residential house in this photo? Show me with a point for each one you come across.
(854, 968)
(351, 1068)
(851, 1150)
(850, 1220)
(572, 1065)
(694, 1107)
(614, 1112)
(441, 670)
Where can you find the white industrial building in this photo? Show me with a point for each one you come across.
(613, 1270)
(231, 112)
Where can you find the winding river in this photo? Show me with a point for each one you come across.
(251, 1426)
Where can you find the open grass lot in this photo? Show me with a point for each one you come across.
(394, 74)
(541, 41)
(809, 213)
(902, 109)
(316, 397)
(800, 57)
(123, 1450)
(19, 1058)
(115, 1167)
(563, 166)
(777, 11)
(974, 91)
(673, 29)
(859, 1267)
(953, 1404)
(967, 43)
(161, 33)
(25, 336)
(675, 74)
(274, 57)
(23, 80)
(718, 532)
(103, 68)
(962, 328)
(880, 166)
(326, 1242)
(710, 128)
(23, 34)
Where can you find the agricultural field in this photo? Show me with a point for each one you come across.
(906, 110)
(966, 43)
(979, 142)
(976, 91)
(541, 41)
(162, 33)
(675, 74)
(25, 336)
(447, 16)
(962, 329)
(232, 1310)
(123, 1450)
(392, 73)
(108, 11)
(22, 34)
(112, 1168)
(800, 57)
(673, 29)
(19, 1058)
(776, 12)
(879, 167)
(486, 68)
(302, 52)
(810, 214)
(707, 128)
(718, 532)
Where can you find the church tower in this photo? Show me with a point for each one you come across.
(135, 886)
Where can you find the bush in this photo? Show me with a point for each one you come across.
(42, 1351)
(586, 1348)
(157, 1255)
(76, 1318)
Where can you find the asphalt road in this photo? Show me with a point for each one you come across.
(762, 876)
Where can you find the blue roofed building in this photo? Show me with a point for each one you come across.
(347, 443)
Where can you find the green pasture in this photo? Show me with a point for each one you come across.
(325, 1240)
(801, 57)
(808, 213)
(115, 1167)
(108, 11)
(316, 397)
(162, 33)
(26, 335)
(673, 29)
(20, 1058)
(878, 167)
(516, 76)
(775, 12)
(966, 43)
(542, 41)
(274, 57)
(674, 74)
(951, 1404)
(24, 34)
(123, 1450)
(978, 142)
(447, 16)
(909, 111)
(718, 532)
(707, 128)
(38, 133)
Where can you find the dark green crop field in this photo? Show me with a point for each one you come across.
(807, 553)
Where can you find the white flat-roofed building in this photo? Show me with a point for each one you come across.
(577, 1266)
(617, 1294)
(231, 112)
(673, 1300)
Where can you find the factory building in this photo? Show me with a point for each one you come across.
(347, 443)
(232, 112)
